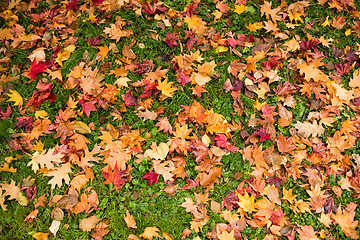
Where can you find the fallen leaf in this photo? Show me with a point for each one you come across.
(130, 220)
(87, 224)
(150, 233)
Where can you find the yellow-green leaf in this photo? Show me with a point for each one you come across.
(81, 127)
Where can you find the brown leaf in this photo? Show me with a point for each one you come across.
(87, 224)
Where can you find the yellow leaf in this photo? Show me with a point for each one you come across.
(292, 45)
(239, 9)
(92, 18)
(221, 49)
(167, 236)
(81, 127)
(326, 22)
(165, 88)
(41, 114)
(39, 146)
(150, 233)
(253, 27)
(348, 32)
(246, 202)
(346, 221)
(15, 97)
(70, 48)
(217, 15)
(40, 236)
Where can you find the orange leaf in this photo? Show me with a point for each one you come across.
(130, 220)
(345, 218)
(150, 233)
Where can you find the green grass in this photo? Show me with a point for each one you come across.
(150, 205)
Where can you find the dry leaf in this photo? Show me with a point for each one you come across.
(87, 224)
(130, 220)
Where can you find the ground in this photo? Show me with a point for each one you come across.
(131, 119)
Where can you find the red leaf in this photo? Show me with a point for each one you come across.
(97, 2)
(36, 68)
(72, 5)
(191, 184)
(152, 177)
(24, 122)
(88, 107)
(183, 78)
(6, 114)
(171, 39)
(221, 141)
(130, 99)
(115, 177)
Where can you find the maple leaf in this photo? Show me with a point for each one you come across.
(183, 78)
(164, 125)
(225, 235)
(196, 24)
(208, 179)
(253, 27)
(318, 198)
(15, 97)
(165, 88)
(7, 113)
(59, 175)
(152, 177)
(287, 195)
(285, 145)
(103, 51)
(307, 233)
(150, 233)
(345, 218)
(239, 9)
(130, 220)
(115, 177)
(246, 202)
(171, 39)
(129, 99)
(36, 68)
